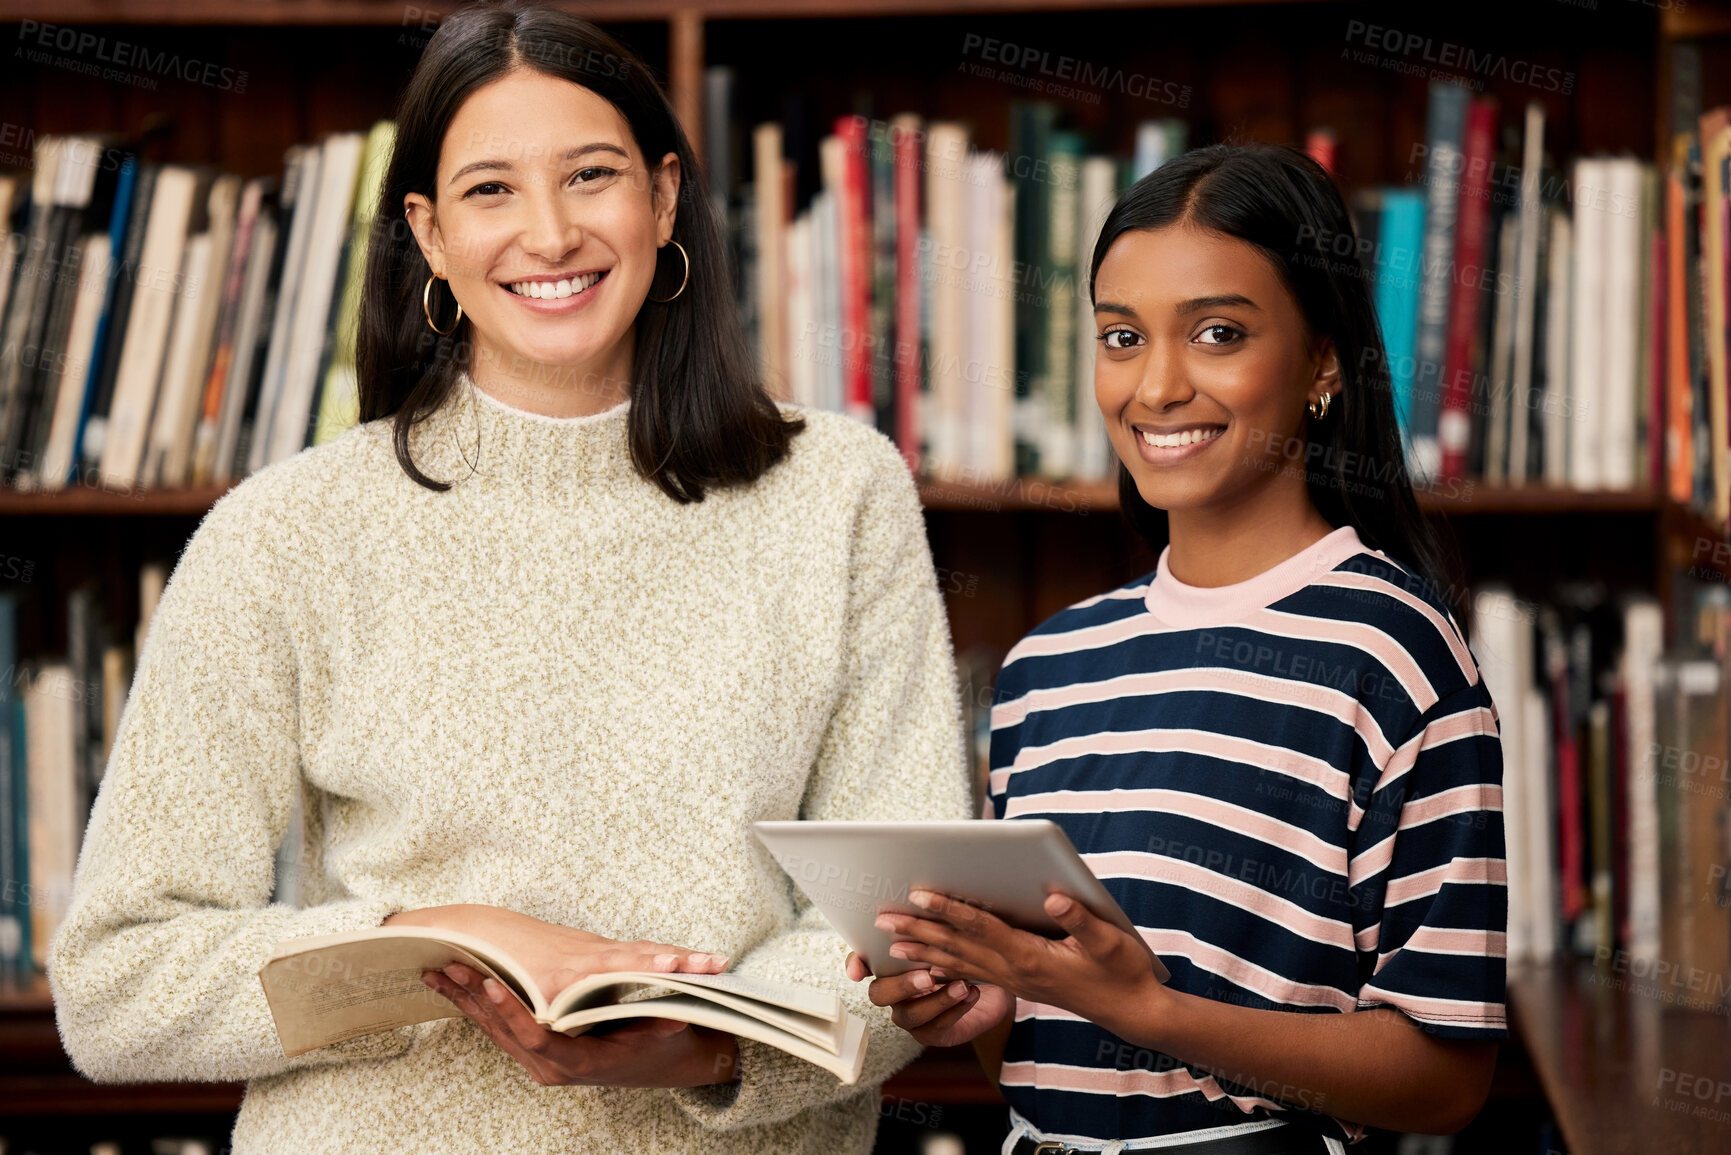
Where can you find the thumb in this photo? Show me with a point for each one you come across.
(664, 1028)
(1095, 935)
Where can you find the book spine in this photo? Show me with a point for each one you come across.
(853, 242)
(1443, 132)
(909, 351)
(1472, 219)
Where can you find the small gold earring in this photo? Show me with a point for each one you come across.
(1319, 411)
(427, 308)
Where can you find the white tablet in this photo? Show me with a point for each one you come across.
(853, 871)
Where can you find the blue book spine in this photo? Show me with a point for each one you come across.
(124, 185)
(1400, 242)
(1444, 129)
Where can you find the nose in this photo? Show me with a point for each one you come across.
(550, 227)
(1164, 382)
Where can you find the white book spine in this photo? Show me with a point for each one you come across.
(1621, 322)
(288, 286)
(174, 396)
(1498, 645)
(339, 173)
(1643, 642)
(80, 341)
(147, 326)
(1094, 457)
(1586, 365)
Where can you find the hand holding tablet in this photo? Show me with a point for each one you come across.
(855, 871)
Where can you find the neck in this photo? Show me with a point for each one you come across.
(552, 390)
(1228, 542)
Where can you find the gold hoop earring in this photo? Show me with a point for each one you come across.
(427, 308)
(1319, 411)
(682, 280)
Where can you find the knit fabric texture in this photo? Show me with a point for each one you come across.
(552, 689)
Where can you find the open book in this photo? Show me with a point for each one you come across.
(326, 988)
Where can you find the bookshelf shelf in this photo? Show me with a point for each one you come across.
(388, 12)
(1621, 1068)
(1017, 495)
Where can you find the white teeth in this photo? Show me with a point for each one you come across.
(548, 290)
(1186, 437)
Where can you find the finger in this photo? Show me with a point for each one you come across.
(856, 968)
(964, 918)
(1094, 935)
(929, 956)
(941, 945)
(892, 989)
(953, 1015)
(922, 1012)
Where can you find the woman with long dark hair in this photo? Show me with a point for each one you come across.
(532, 646)
(1276, 750)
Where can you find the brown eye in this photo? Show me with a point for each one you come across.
(1222, 334)
(1120, 339)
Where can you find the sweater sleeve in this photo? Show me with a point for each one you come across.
(154, 968)
(893, 751)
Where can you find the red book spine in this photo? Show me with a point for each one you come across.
(1472, 224)
(854, 242)
(906, 143)
(1570, 856)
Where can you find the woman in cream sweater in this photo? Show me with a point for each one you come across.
(532, 645)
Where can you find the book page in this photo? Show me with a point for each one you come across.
(825, 1030)
(325, 992)
(844, 1065)
(796, 997)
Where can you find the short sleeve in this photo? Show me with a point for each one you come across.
(1428, 882)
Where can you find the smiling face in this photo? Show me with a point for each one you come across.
(1204, 369)
(547, 220)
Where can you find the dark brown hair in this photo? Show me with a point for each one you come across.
(700, 415)
(1274, 197)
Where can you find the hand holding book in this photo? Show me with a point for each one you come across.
(644, 1052)
(666, 1018)
(556, 956)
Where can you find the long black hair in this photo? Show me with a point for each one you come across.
(699, 416)
(1283, 202)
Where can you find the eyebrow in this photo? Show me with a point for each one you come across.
(1193, 305)
(505, 165)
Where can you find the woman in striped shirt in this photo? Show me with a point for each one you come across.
(1276, 750)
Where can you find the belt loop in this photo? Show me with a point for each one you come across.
(1115, 1147)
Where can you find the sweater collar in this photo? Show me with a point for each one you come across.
(475, 440)
(1193, 607)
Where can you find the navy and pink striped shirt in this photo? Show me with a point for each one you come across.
(1293, 787)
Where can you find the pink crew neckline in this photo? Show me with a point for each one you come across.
(1190, 607)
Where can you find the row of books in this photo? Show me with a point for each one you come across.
(58, 718)
(1616, 784)
(929, 287)
(1545, 324)
(165, 325)
(1551, 325)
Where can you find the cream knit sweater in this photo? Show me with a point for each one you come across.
(551, 689)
